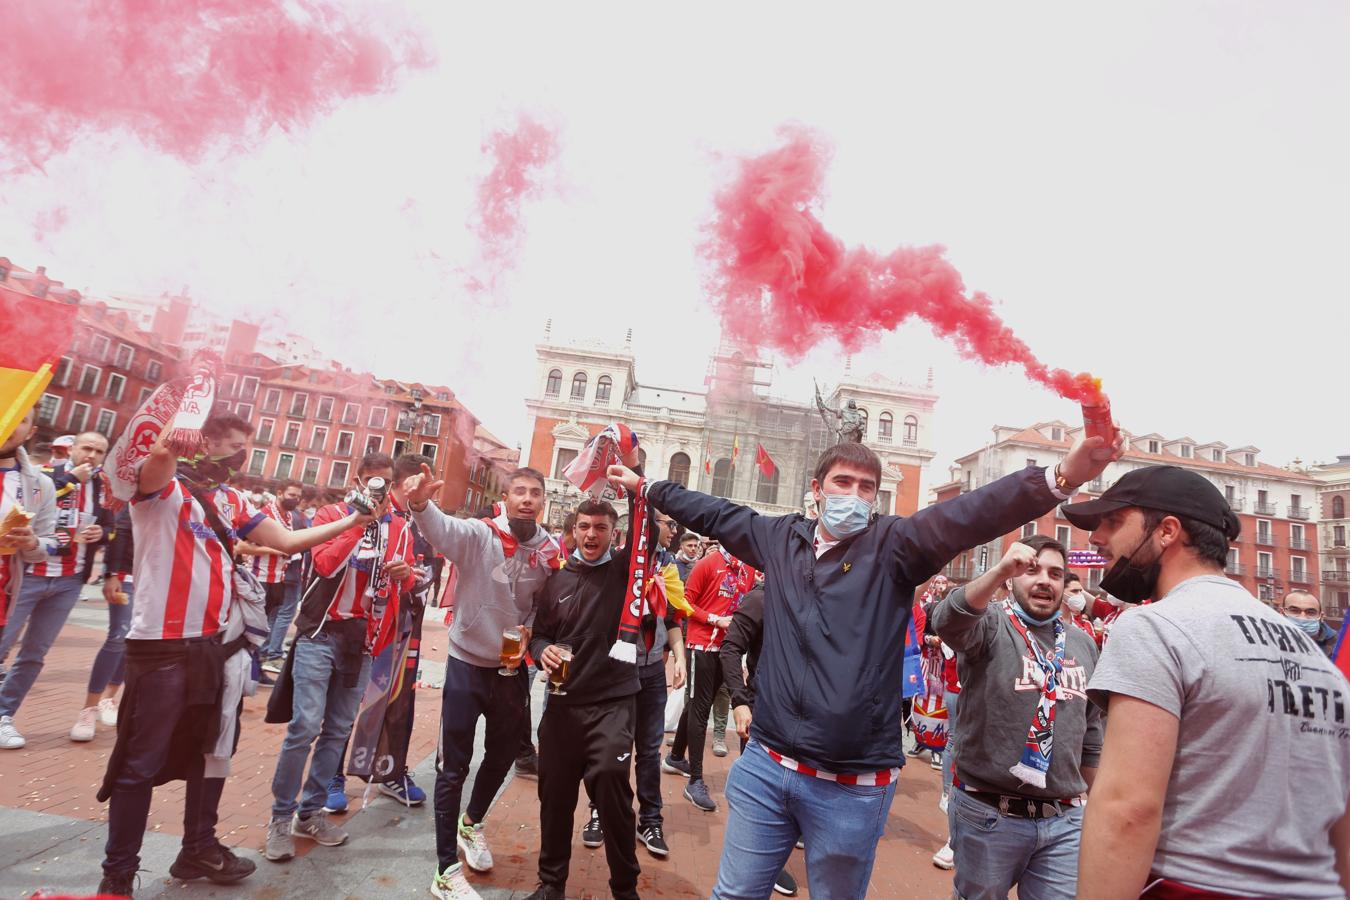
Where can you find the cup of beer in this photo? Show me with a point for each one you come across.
(558, 677)
(511, 638)
(79, 522)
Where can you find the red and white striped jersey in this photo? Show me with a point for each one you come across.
(271, 569)
(356, 594)
(184, 576)
(71, 500)
(878, 779)
(12, 483)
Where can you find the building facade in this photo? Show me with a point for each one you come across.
(1276, 552)
(1333, 496)
(708, 440)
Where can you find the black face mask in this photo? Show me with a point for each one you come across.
(209, 471)
(1130, 581)
(522, 529)
(290, 503)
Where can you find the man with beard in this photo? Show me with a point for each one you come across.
(502, 562)
(1034, 740)
(1227, 768)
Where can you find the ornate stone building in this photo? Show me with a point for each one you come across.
(708, 439)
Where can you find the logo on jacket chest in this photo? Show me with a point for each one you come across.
(1073, 680)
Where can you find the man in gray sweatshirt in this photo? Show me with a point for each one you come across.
(1030, 741)
(502, 562)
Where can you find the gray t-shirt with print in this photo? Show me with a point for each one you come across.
(1262, 766)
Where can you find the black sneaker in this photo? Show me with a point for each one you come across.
(697, 793)
(785, 884)
(266, 680)
(593, 835)
(121, 885)
(219, 865)
(544, 892)
(655, 839)
(675, 766)
(528, 767)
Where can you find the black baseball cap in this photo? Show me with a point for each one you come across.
(1170, 489)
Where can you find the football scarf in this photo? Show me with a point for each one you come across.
(606, 449)
(181, 406)
(1035, 762)
(636, 603)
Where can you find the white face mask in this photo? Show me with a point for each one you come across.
(1077, 602)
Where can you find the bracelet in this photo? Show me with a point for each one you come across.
(1062, 483)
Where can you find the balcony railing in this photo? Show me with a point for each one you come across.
(1096, 485)
(1300, 576)
(289, 444)
(1265, 539)
(883, 437)
(1267, 572)
(1238, 504)
(1335, 576)
(1298, 512)
(1298, 544)
(1264, 509)
(1235, 569)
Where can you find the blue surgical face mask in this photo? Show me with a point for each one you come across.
(1311, 626)
(845, 515)
(1029, 619)
(576, 554)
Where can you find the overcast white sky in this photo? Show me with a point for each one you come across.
(1154, 191)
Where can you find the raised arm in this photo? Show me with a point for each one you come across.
(740, 529)
(271, 533)
(935, 535)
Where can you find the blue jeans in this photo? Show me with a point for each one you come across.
(279, 622)
(111, 662)
(44, 603)
(995, 852)
(771, 806)
(949, 700)
(322, 708)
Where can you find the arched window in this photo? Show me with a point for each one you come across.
(579, 386)
(767, 489)
(602, 388)
(679, 469)
(1338, 507)
(554, 386)
(885, 427)
(721, 486)
(911, 429)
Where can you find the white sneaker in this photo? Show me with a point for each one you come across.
(84, 727)
(107, 712)
(944, 858)
(472, 841)
(942, 804)
(451, 885)
(10, 739)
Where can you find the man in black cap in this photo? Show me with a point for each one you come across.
(1226, 723)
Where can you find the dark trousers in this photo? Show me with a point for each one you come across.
(705, 677)
(528, 672)
(591, 743)
(470, 692)
(161, 699)
(648, 733)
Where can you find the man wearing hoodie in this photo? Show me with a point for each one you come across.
(1304, 610)
(27, 488)
(837, 603)
(502, 562)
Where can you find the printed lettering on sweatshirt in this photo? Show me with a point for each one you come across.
(1295, 664)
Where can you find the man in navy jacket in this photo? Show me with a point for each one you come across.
(825, 739)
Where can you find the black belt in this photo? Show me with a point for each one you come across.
(1023, 807)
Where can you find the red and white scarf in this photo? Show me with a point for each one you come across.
(181, 406)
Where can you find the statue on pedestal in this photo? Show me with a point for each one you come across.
(847, 422)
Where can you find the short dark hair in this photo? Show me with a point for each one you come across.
(1070, 578)
(222, 423)
(590, 507)
(372, 461)
(1039, 543)
(569, 521)
(1206, 542)
(851, 454)
(685, 536)
(409, 464)
(290, 483)
(526, 472)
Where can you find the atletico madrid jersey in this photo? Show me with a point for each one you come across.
(271, 568)
(13, 493)
(184, 575)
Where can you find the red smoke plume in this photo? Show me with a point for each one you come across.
(183, 75)
(520, 157)
(780, 279)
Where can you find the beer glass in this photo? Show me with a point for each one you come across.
(558, 677)
(79, 522)
(510, 650)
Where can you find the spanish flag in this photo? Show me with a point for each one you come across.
(767, 467)
(735, 450)
(36, 333)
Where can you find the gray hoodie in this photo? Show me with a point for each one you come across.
(999, 697)
(494, 592)
(39, 498)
